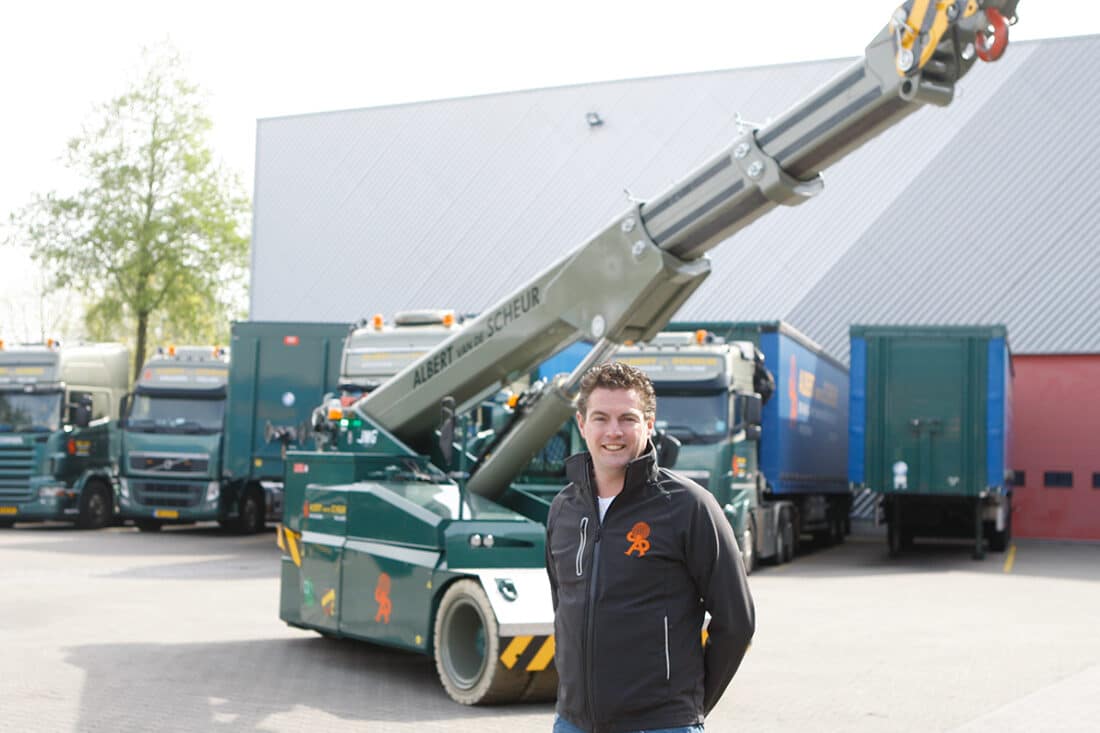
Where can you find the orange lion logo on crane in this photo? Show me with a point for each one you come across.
(382, 595)
(638, 538)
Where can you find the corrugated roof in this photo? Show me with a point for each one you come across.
(978, 213)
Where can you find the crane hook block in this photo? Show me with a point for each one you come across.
(991, 48)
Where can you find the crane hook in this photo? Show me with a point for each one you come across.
(991, 48)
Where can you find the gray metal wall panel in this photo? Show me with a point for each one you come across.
(457, 202)
(1022, 252)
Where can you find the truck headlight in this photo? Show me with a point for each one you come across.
(124, 488)
(213, 491)
(50, 492)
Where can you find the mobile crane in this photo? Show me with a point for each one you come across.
(383, 544)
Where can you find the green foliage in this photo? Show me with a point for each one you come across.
(155, 237)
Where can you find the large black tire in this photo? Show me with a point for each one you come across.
(748, 549)
(251, 512)
(786, 528)
(839, 532)
(148, 525)
(467, 649)
(7, 523)
(780, 550)
(97, 506)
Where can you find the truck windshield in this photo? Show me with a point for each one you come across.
(694, 418)
(153, 414)
(30, 412)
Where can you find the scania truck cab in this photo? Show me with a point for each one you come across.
(56, 405)
(171, 439)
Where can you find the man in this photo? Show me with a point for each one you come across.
(635, 555)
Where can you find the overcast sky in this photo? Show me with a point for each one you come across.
(58, 60)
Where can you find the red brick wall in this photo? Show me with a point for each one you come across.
(1056, 427)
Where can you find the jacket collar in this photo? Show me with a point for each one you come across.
(643, 469)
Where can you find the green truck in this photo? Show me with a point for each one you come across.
(203, 434)
(931, 419)
(396, 530)
(169, 467)
(56, 407)
(708, 399)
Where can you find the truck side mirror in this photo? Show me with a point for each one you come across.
(751, 415)
(124, 408)
(82, 412)
(447, 431)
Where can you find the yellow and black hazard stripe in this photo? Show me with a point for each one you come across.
(289, 542)
(529, 653)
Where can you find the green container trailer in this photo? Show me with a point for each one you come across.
(279, 375)
(930, 419)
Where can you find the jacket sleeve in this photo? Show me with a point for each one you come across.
(715, 564)
(550, 571)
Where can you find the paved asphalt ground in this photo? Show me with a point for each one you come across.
(121, 631)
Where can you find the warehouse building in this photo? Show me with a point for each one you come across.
(981, 213)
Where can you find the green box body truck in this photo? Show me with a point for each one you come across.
(279, 374)
(56, 431)
(204, 432)
(930, 421)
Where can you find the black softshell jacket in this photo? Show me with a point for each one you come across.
(629, 598)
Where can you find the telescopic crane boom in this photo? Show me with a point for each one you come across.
(628, 280)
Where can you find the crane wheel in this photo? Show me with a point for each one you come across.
(991, 48)
(467, 649)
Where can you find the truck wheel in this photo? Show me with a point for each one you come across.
(250, 511)
(748, 550)
(7, 523)
(148, 525)
(838, 530)
(467, 649)
(96, 506)
(787, 529)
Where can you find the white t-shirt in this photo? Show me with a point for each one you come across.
(605, 502)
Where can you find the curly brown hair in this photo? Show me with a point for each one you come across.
(617, 375)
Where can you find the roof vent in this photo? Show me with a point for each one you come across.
(593, 119)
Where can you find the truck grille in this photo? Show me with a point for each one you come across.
(148, 493)
(175, 464)
(16, 467)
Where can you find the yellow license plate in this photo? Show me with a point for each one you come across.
(9, 510)
(166, 514)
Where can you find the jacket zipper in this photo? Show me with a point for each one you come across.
(668, 663)
(590, 629)
(580, 549)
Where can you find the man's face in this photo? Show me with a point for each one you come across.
(615, 428)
